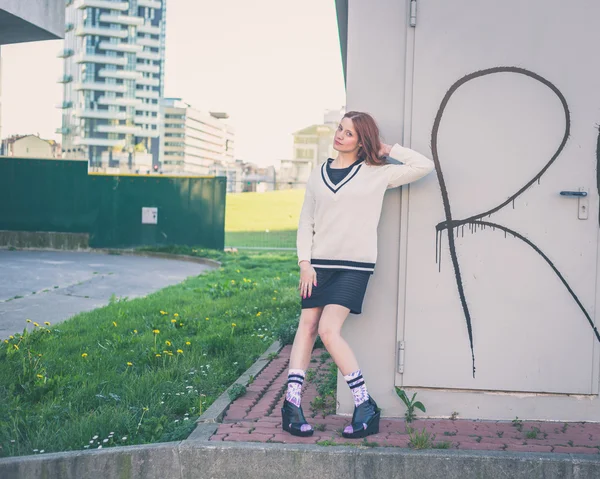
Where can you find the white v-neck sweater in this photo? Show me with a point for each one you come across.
(338, 223)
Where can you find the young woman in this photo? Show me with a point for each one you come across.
(337, 251)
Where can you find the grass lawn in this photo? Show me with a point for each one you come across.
(142, 370)
(263, 219)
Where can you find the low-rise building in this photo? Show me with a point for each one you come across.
(30, 146)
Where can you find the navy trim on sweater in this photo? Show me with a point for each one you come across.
(341, 264)
(343, 182)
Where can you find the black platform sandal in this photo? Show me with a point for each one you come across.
(366, 413)
(292, 419)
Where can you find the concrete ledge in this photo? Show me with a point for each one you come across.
(156, 461)
(44, 240)
(222, 460)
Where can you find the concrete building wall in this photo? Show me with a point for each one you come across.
(497, 316)
(375, 80)
(31, 20)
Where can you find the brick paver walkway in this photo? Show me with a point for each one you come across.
(256, 417)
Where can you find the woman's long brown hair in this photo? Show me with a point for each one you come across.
(368, 135)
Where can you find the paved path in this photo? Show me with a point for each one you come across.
(53, 286)
(256, 417)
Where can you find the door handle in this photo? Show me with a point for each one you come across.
(574, 193)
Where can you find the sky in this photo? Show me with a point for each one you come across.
(273, 65)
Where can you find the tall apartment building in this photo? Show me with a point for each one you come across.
(113, 54)
(194, 141)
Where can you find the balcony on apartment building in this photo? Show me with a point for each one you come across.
(66, 53)
(148, 55)
(123, 129)
(101, 114)
(122, 6)
(121, 19)
(148, 133)
(148, 28)
(147, 68)
(149, 3)
(120, 74)
(65, 105)
(120, 101)
(99, 142)
(148, 81)
(95, 86)
(101, 31)
(65, 79)
(146, 120)
(148, 42)
(121, 47)
(95, 58)
(147, 94)
(151, 107)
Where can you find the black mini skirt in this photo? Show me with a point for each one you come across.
(339, 286)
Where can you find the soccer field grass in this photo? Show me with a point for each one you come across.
(263, 219)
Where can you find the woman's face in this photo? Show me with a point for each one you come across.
(346, 139)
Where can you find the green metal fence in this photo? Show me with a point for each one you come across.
(60, 196)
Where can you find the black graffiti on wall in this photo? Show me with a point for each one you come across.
(475, 222)
(598, 171)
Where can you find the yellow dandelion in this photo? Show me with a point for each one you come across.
(40, 376)
(16, 346)
(275, 291)
(29, 320)
(180, 351)
(114, 324)
(206, 319)
(170, 353)
(47, 323)
(166, 352)
(163, 312)
(156, 331)
(129, 363)
(11, 337)
(274, 299)
(187, 343)
(168, 343)
(259, 313)
(176, 315)
(158, 355)
(135, 331)
(180, 324)
(36, 325)
(173, 320)
(6, 341)
(84, 355)
(145, 408)
(40, 355)
(237, 270)
(233, 325)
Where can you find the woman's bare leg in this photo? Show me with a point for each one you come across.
(330, 329)
(305, 338)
